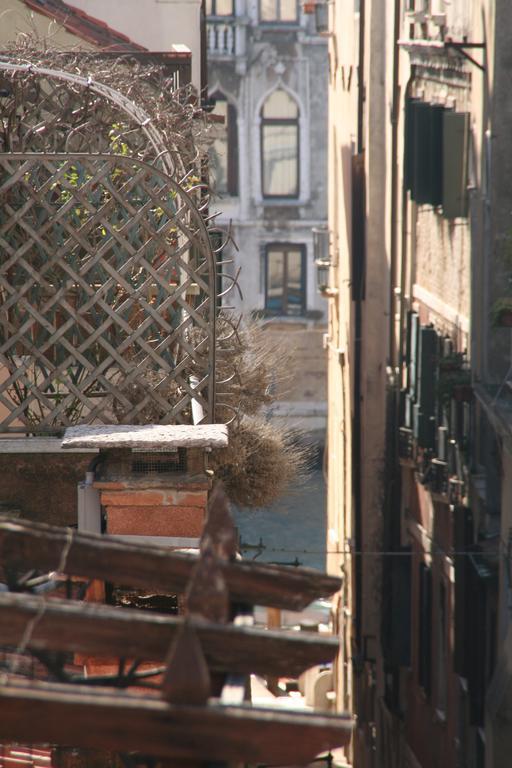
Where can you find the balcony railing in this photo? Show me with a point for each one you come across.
(221, 38)
(226, 37)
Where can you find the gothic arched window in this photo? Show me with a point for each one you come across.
(280, 145)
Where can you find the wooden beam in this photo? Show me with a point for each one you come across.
(25, 544)
(76, 716)
(91, 628)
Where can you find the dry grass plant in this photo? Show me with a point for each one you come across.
(183, 126)
(263, 458)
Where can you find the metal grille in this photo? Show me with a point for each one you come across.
(159, 462)
(107, 294)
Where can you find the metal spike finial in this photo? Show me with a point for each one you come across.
(187, 677)
(207, 594)
(220, 531)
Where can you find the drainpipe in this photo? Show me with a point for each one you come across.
(403, 264)
(392, 352)
(358, 327)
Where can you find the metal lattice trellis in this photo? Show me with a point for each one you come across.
(107, 276)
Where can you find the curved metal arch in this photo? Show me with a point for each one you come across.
(142, 118)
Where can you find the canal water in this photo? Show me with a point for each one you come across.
(291, 531)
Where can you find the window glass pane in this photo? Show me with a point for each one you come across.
(280, 160)
(209, 8)
(275, 280)
(288, 10)
(218, 152)
(269, 10)
(294, 280)
(224, 7)
(280, 105)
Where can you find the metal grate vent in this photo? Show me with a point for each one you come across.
(159, 462)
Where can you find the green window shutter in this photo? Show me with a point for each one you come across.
(412, 352)
(424, 428)
(421, 192)
(462, 541)
(408, 411)
(425, 629)
(455, 163)
(427, 370)
(410, 114)
(436, 154)
(400, 628)
(401, 406)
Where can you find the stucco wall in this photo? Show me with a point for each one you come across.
(16, 19)
(155, 24)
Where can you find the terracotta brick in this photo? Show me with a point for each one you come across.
(187, 498)
(144, 498)
(155, 521)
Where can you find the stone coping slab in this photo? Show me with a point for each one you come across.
(30, 445)
(147, 437)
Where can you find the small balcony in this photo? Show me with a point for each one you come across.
(225, 37)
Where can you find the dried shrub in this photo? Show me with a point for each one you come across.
(182, 126)
(252, 367)
(263, 457)
(261, 461)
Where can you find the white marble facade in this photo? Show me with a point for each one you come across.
(248, 61)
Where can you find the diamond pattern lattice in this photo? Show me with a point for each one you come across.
(107, 311)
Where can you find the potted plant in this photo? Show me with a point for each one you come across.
(451, 362)
(501, 312)
(454, 380)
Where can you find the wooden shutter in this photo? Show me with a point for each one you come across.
(455, 163)
(436, 154)
(421, 192)
(410, 114)
(427, 370)
(478, 579)
(424, 428)
(425, 629)
(412, 352)
(400, 618)
(426, 377)
(462, 541)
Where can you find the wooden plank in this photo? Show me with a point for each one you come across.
(97, 719)
(88, 628)
(26, 544)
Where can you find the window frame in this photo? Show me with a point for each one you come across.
(287, 22)
(216, 15)
(280, 121)
(285, 248)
